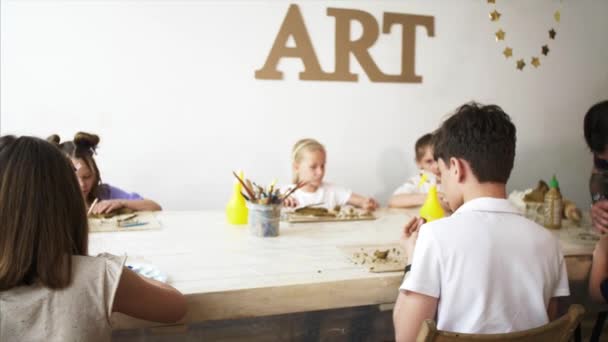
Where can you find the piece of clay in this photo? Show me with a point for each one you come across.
(381, 254)
(538, 194)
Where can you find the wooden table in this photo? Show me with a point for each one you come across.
(227, 274)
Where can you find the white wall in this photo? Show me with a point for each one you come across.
(169, 86)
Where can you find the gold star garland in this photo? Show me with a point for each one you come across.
(500, 35)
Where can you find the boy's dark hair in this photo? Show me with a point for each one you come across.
(484, 136)
(596, 127)
(422, 144)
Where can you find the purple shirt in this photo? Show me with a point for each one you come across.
(108, 192)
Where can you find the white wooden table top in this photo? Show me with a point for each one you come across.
(227, 273)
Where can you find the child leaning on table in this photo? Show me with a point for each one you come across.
(81, 151)
(50, 289)
(308, 163)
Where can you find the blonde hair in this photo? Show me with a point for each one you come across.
(304, 145)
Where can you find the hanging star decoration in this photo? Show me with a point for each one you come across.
(500, 35)
(545, 50)
(535, 61)
(552, 33)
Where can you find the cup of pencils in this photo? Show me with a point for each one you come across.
(264, 205)
(264, 219)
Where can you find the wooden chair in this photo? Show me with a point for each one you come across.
(560, 330)
(598, 327)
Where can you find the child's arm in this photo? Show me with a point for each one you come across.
(553, 309)
(107, 206)
(148, 299)
(406, 200)
(599, 269)
(359, 201)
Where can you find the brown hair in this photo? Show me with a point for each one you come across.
(83, 147)
(301, 146)
(482, 135)
(596, 127)
(422, 144)
(42, 214)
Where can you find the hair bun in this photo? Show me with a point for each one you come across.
(54, 139)
(86, 140)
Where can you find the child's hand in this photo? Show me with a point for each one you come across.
(599, 216)
(290, 202)
(410, 235)
(107, 206)
(370, 204)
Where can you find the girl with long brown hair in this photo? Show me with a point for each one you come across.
(50, 289)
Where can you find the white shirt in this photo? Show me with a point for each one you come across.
(79, 312)
(414, 185)
(327, 194)
(492, 269)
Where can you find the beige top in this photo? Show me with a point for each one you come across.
(80, 312)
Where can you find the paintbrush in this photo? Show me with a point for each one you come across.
(130, 217)
(274, 181)
(249, 192)
(260, 189)
(311, 205)
(92, 205)
(299, 185)
(249, 184)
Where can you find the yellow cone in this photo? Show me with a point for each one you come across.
(236, 210)
(431, 209)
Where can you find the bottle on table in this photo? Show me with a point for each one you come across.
(553, 205)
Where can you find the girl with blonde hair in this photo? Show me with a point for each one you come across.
(308, 163)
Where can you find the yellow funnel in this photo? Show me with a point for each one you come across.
(431, 209)
(236, 210)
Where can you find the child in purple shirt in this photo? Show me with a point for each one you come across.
(102, 196)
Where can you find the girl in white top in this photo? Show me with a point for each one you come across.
(50, 289)
(309, 158)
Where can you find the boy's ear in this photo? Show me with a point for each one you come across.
(458, 167)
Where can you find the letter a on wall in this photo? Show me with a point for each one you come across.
(293, 26)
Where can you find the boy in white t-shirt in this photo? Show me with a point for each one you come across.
(413, 192)
(486, 268)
